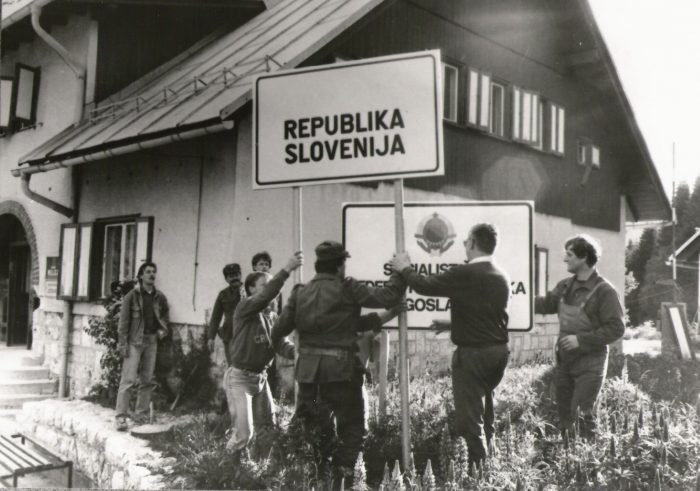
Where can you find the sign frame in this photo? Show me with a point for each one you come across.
(414, 204)
(436, 169)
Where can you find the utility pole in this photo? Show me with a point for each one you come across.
(673, 225)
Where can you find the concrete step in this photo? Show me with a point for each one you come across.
(24, 373)
(15, 401)
(31, 361)
(41, 386)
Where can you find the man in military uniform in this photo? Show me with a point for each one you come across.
(326, 314)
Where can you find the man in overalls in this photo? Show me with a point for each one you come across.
(590, 318)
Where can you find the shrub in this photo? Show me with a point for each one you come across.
(637, 442)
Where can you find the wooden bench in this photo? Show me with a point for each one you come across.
(17, 459)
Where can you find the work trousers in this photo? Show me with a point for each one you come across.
(251, 408)
(578, 383)
(476, 372)
(137, 372)
(346, 400)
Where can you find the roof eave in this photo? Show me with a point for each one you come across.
(665, 213)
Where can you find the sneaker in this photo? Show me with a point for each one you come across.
(121, 423)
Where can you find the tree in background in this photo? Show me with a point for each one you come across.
(646, 261)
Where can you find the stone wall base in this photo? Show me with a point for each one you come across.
(84, 433)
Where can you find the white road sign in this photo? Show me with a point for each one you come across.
(435, 233)
(377, 118)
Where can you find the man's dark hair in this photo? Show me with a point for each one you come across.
(261, 255)
(329, 265)
(585, 246)
(233, 268)
(485, 237)
(252, 279)
(143, 267)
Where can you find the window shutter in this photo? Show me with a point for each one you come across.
(25, 94)
(68, 252)
(473, 97)
(485, 101)
(6, 85)
(560, 139)
(516, 114)
(541, 271)
(144, 241)
(83, 261)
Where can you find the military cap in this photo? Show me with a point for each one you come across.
(232, 268)
(329, 249)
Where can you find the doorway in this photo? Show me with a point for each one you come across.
(15, 284)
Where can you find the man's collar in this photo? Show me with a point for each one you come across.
(590, 282)
(325, 276)
(481, 259)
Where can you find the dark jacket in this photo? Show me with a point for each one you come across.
(131, 322)
(326, 314)
(479, 295)
(224, 306)
(603, 309)
(251, 346)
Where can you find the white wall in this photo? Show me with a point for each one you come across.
(55, 112)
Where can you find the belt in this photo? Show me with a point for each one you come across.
(335, 352)
(247, 369)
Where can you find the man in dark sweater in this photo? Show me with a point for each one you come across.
(250, 352)
(224, 306)
(590, 318)
(479, 292)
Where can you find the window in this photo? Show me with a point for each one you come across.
(526, 117)
(450, 91)
(95, 255)
(556, 128)
(486, 103)
(588, 153)
(497, 109)
(118, 254)
(541, 271)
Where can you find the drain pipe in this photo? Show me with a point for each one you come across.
(78, 67)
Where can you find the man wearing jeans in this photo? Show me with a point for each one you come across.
(251, 351)
(142, 321)
(479, 292)
(590, 318)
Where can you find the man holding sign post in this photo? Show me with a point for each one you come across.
(479, 292)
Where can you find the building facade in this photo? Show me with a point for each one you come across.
(158, 165)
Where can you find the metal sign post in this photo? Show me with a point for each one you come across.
(403, 333)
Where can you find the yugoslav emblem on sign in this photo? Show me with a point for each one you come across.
(435, 234)
(371, 119)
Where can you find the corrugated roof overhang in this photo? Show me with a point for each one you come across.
(200, 94)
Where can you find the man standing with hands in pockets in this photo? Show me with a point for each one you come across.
(479, 292)
(250, 352)
(143, 320)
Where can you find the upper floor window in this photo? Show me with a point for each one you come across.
(526, 117)
(450, 78)
(557, 116)
(588, 153)
(18, 98)
(486, 103)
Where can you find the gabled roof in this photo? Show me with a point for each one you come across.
(209, 86)
(644, 189)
